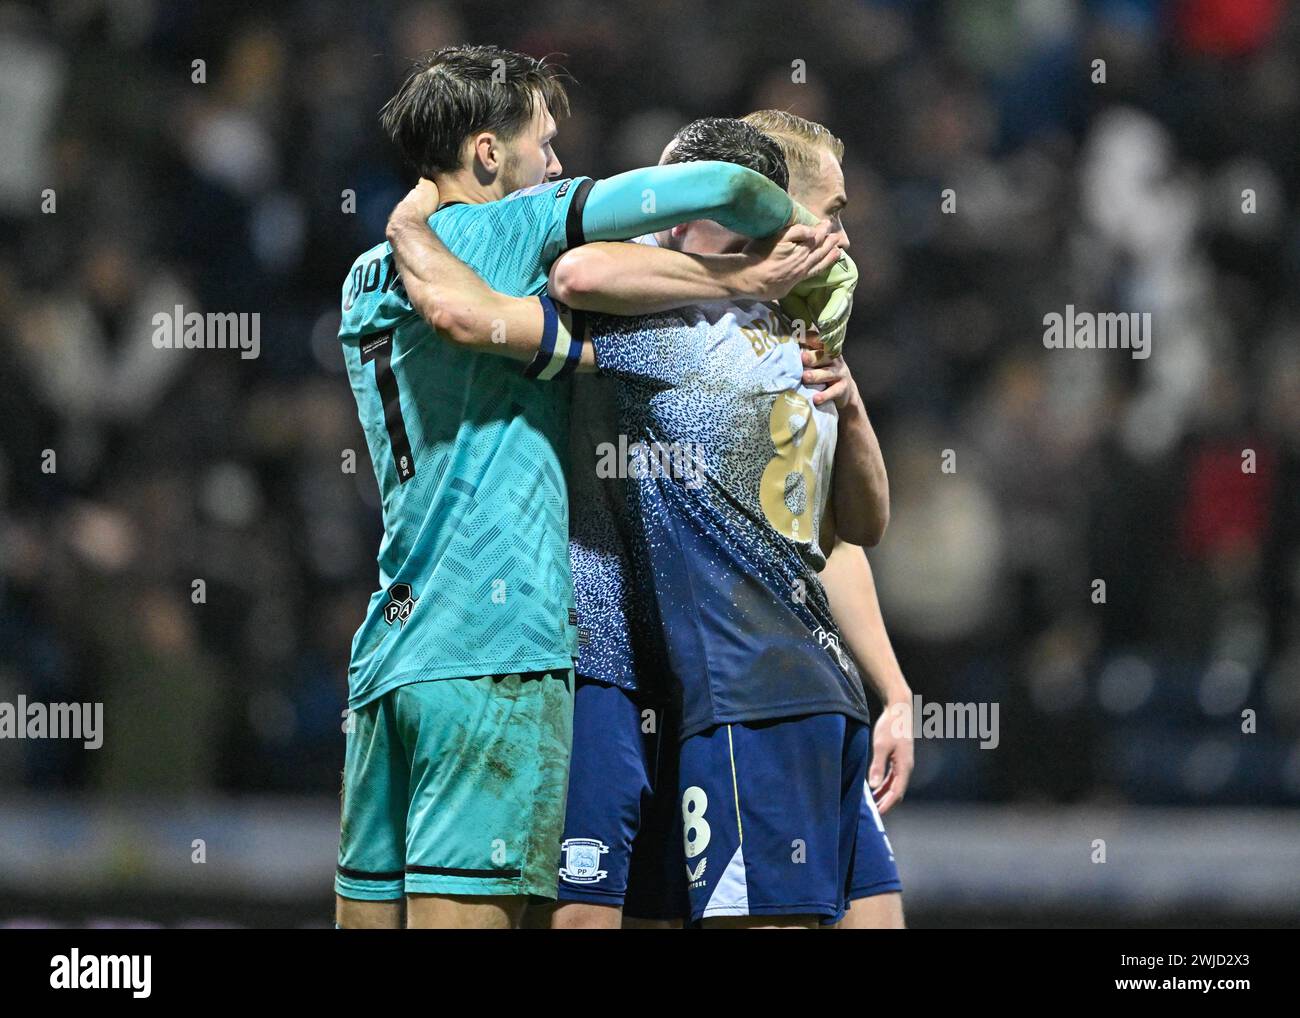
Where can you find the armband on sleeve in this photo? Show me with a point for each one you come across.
(563, 332)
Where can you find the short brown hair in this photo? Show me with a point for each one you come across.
(800, 140)
(454, 93)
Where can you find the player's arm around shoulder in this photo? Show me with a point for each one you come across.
(446, 292)
(641, 279)
(655, 198)
(645, 279)
(457, 303)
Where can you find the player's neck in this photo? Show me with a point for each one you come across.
(466, 186)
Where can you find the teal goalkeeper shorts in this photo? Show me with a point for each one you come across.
(457, 786)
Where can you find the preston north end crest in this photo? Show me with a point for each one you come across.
(582, 861)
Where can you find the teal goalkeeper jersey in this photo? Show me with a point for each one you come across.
(469, 455)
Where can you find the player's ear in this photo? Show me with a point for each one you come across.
(487, 153)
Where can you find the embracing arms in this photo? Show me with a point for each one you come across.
(625, 278)
(454, 299)
(655, 198)
(635, 279)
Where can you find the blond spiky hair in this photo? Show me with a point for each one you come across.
(801, 140)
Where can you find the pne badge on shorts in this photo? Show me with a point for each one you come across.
(582, 860)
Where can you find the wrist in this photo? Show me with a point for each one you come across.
(743, 276)
(401, 221)
(894, 692)
(850, 404)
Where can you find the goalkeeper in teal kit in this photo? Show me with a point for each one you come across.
(460, 682)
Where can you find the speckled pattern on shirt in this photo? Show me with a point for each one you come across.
(729, 534)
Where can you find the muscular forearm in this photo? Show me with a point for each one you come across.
(851, 587)
(458, 304)
(640, 279)
(859, 484)
(634, 279)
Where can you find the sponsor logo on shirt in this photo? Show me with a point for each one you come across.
(401, 602)
(831, 642)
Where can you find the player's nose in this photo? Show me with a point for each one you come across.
(842, 239)
(554, 167)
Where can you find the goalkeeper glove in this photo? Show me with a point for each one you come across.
(824, 302)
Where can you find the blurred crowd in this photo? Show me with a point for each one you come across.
(1164, 179)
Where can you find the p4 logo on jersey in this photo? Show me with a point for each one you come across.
(401, 602)
(831, 642)
(582, 861)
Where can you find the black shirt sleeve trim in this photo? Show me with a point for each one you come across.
(574, 237)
